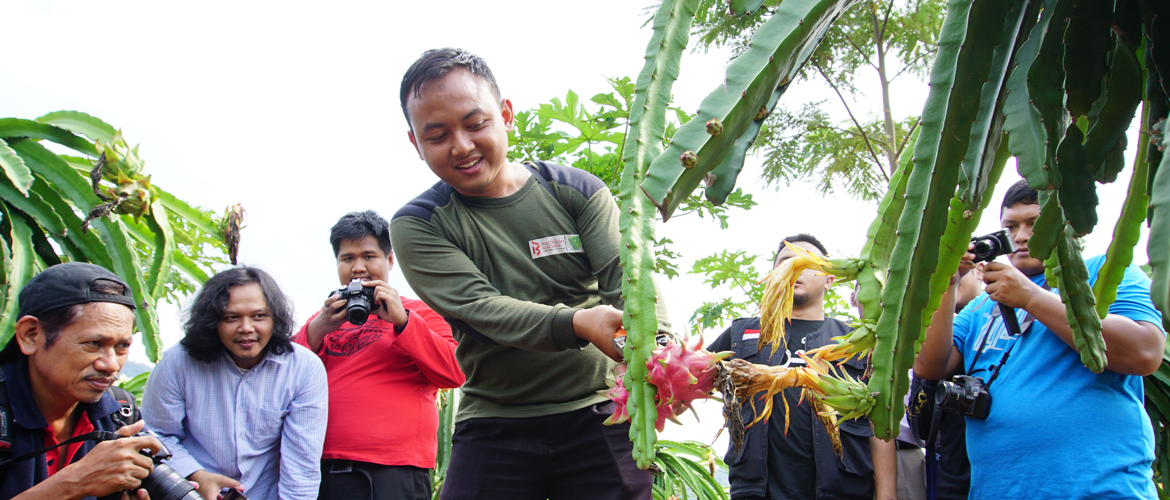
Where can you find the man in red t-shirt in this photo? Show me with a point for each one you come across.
(383, 374)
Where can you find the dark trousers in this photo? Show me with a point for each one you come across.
(557, 457)
(347, 479)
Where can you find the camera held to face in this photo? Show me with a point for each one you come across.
(964, 395)
(359, 301)
(988, 247)
(163, 482)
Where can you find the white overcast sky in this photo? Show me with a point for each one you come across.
(291, 108)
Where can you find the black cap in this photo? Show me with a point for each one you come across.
(65, 285)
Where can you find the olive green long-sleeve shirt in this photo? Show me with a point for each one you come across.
(508, 273)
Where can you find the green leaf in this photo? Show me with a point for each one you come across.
(1126, 234)
(17, 127)
(135, 385)
(164, 250)
(82, 246)
(14, 168)
(196, 216)
(22, 269)
(190, 268)
(81, 123)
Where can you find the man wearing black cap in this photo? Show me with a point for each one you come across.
(72, 337)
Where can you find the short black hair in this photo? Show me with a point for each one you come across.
(357, 225)
(202, 327)
(435, 64)
(1020, 192)
(805, 237)
(57, 319)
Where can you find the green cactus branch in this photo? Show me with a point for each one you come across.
(778, 49)
(672, 24)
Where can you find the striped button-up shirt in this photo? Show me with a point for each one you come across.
(264, 428)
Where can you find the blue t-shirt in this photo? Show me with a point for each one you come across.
(1056, 429)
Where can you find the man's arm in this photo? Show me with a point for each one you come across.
(885, 468)
(939, 358)
(110, 467)
(328, 319)
(1132, 347)
(449, 282)
(302, 435)
(598, 224)
(427, 341)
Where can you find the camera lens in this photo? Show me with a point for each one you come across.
(357, 310)
(164, 483)
(949, 397)
(985, 248)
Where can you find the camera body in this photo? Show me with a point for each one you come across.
(990, 246)
(359, 301)
(963, 395)
(163, 483)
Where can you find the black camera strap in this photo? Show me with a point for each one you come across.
(89, 436)
(1022, 327)
(127, 414)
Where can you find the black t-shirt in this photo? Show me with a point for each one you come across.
(792, 468)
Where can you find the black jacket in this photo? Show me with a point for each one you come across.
(29, 430)
(846, 477)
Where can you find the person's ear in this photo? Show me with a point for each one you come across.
(414, 142)
(509, 116)
(390, 258)
(25, 334)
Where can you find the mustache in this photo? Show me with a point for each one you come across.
(101, 376)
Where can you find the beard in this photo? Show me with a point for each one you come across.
(799, 300)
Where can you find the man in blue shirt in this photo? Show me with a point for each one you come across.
(1055, 429)
(237, 403)
(73, 333)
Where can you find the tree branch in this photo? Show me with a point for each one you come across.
(910, 132)
(859, 51)
(864, 136)
(886, 18)
(842, 130)
(907, 66)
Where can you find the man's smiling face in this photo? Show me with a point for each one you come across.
(461, 129)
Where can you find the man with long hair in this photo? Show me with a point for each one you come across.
(236, 402)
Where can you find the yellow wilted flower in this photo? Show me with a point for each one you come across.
(776, 307)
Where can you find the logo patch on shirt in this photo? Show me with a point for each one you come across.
(552, 245)
(348, 342)
(751, 334)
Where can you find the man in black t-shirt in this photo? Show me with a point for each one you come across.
(801, 464)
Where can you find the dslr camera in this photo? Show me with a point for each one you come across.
(359, 301)
(163, 483)
(988, 247)
(963, 395)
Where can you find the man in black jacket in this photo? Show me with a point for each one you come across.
(800, 464)
(72, 336)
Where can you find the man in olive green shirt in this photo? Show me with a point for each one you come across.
(523, 262)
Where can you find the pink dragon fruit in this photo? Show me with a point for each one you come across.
(681, 372)
(618, 393)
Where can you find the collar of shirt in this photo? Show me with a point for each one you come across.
(53, 457)
(269, 357)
